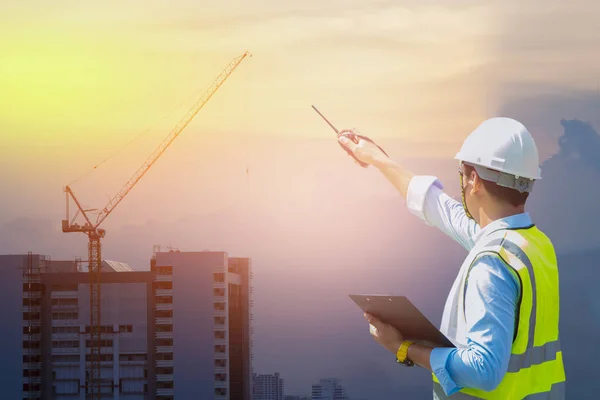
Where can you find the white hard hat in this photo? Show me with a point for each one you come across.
(504, 146)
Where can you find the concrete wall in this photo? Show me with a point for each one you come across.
(122, 304)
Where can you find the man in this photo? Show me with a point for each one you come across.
(503, 309)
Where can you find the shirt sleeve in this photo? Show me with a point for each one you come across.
(426, 199)
(491, 300)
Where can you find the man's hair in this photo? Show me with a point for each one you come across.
(511, 196)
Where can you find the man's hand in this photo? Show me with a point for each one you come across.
(384, 334)
(369, 153)
(364, 150)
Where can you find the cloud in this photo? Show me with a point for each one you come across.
(580, 142)
(548, 26)
(565, 202)
(243, 18)
(542, 107)
(548, 44)
(564, 120)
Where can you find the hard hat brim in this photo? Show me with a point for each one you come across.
(480, 163)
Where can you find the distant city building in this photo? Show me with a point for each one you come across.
(268, 387)
(328, 389)
(180, 330)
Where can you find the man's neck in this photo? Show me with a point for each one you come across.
(486, 217)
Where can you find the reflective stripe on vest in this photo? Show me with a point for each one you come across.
(535, 369)
(557, 392)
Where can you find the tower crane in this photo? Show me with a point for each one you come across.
(95, 234)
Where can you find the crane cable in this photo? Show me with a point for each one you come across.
(142, 133)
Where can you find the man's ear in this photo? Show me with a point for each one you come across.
(475, 182)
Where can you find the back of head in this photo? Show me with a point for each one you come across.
(500, 193)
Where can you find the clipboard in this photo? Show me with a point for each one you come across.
(399, 312)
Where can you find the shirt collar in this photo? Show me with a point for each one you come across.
(516, 221)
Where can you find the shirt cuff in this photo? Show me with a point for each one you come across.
(438, 359)
(417, 192)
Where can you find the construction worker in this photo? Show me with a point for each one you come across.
(503, 309)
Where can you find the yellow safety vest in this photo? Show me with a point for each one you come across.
(535, 370)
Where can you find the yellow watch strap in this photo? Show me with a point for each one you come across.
(402, 353)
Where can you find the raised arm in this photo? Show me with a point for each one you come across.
(427, 200)
(424, 195)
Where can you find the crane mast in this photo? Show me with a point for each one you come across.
(95, 384)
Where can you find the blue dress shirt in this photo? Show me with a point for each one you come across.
(492, 293)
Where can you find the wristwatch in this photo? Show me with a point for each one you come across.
(402, 354)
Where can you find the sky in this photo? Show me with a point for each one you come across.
(258, 173)
(110, 66)
(87, 81)
(83, 80)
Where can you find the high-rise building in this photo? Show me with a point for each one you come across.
(153, 328)
(268, 387)
(210, 297)
(328, 389)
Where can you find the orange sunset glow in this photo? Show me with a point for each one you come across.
(82, 81)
